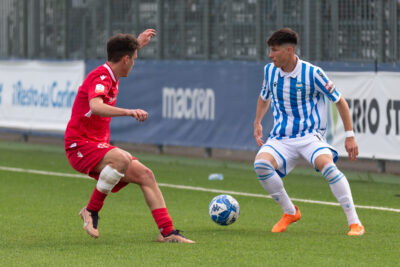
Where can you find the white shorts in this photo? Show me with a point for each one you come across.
(286, 152)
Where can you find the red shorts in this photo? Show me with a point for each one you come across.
(85, 155)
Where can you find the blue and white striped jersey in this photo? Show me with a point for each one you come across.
(297, 99)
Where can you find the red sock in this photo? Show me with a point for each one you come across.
(163, 220)
(96, 200)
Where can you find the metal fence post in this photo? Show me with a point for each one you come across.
(230, 29)
(279, 15)
(380, 32)
(335, 28)
(306, 28)
(108, 19)
(394, 26)
(25, 17)
(160, 29)
(66, 35)
(207, 32)
(317, 31)
(259, 31)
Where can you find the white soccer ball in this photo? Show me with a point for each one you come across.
(224, 209)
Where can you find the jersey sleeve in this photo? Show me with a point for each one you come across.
(99, 86)
(265, 92)
(326, 86)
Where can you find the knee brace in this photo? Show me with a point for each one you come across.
(108, 178)
(332, 173)
(263, 169)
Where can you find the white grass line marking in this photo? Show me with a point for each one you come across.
(195, 188)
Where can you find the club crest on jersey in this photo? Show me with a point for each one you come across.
(275, 84)
(102, 77)
(299, 86)
(99, 88)
(330, 87)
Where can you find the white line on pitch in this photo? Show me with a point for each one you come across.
(195, 188)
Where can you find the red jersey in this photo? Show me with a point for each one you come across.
(84, 125)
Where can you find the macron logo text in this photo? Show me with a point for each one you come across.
(190, 104)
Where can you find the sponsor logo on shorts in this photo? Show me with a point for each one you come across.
(103, 145)
(102, 77)
(79, 154)
(72, 145)
(99, 88)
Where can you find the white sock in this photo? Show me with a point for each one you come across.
(341, 190)
(273, 184)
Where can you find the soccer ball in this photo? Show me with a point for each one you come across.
(224, 209)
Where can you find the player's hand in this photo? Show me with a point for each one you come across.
(144, 37)
(139, 114)
(351, 147)
(258, 134)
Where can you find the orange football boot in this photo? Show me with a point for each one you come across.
(285, 221)
(356, 229)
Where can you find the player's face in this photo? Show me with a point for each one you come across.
(279, 54)
(128, 64)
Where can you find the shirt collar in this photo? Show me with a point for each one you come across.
(295, 72)
(110, 71)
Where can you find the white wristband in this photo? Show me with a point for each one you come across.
(349, 133)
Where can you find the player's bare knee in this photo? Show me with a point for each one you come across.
(121, 161)
(146, 177)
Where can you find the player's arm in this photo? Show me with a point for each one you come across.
(350, 142)
(144, 37)
(98, 107)
(262, 107)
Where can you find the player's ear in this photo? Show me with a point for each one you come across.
(125, 59)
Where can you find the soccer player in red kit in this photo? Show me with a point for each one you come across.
(88, 134)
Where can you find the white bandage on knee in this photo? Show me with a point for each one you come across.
(108, 178)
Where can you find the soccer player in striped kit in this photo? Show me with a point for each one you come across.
(297, 91)
(88, 134)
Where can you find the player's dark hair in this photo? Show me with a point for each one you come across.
(283, 36)
(121, 45)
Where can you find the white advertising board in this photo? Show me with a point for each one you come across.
(38, 95)
(374, 101)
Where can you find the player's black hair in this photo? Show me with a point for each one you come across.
(120, 45)
(283, 36)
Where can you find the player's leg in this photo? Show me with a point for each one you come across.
(141, 175)
(111, 168)
(341, 190)
(265, 166)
